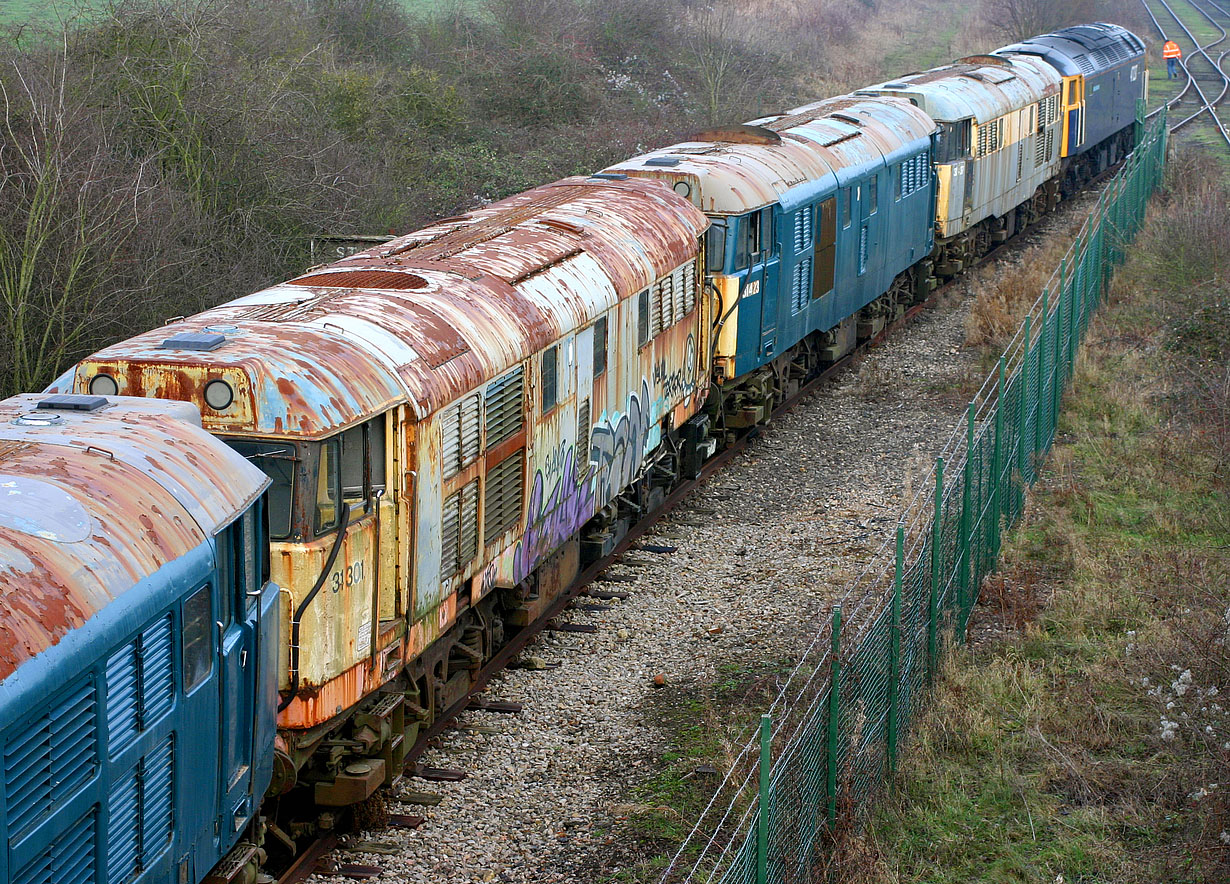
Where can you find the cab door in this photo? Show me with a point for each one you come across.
(238, 625)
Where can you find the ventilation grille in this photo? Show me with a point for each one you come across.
(1020, 159)
(582, 448)
(459, 530)
(50, 758)
(140, 685)
(70, 860)
(1040, 150)
(363, 279)
(504, 493)
(140, 814)
(914, 174)
(1050, 145)
(672, 298)
(800, 285)
(461, 436)
(505, 410)
(802, 229)
(862, 250)
(1084, 64)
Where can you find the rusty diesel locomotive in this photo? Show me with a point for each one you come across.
(450, 422)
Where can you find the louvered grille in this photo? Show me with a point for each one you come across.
(582, 447)
(802, 229)
(27, 776)
(504, 492)
(688, 285)
(862, 249)
(1084, 64)
(1050, 145)
(70, 860)
(1020, 159)
(157, 672)
(469, 523)
(505, 411)
(459, 527)
(123, 829)
(461, 439)
(123, 704)
(800, 285)
(1039, 150)
(157, 800)
(51, 758)
(450, 529)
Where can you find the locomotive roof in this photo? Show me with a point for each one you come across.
(426, 317)
(983, 87)
(788, 157)
(93, 502)
(1081, 49)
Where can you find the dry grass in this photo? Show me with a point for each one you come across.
(1007, 289)
(1084, 734)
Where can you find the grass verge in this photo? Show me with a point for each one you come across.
(1082, 735)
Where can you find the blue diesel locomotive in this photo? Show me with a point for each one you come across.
(137, 641)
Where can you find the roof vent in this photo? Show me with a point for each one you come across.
(610, 176)
(72, 402)
(662, 161)
(193, 341)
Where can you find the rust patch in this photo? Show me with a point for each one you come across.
(393, 280)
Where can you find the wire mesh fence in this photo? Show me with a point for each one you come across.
(832, 736)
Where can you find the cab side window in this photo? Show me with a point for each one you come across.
(362, 463)
(550, 378)
(754, 238)
(328, 485)
(197, 648)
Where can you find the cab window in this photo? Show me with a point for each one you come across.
(754, 240)
(953, 141)
(328, 485)
(197, 639)
(362, 463)
(550, 378)
(278, 461)
(715, 246)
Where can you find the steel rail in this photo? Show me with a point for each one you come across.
(1208, 106)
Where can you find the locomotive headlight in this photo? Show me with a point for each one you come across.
(219, 395)
(683, 189)
(104, 385)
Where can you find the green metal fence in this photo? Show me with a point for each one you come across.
(833, 734)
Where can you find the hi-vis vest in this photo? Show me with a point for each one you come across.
(1171, 50)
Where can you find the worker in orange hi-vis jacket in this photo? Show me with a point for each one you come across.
(1172, 53)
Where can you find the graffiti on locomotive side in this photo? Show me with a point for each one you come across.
(680, 382)
(617, 445)
(554, 517)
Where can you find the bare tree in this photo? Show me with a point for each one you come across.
(1021, 19)
(69, 217)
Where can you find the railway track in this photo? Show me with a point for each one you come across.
(315, 859)
(1209, 81)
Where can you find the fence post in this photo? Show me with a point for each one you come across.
(1057, 384)
(1076, 316)
(967, 522)
(1039, 441)
(933, 599)
(834, 714)
(762, 822)
(997, 461)
(894, 652)
(1022, 460)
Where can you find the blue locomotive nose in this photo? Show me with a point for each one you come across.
(137, 729)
